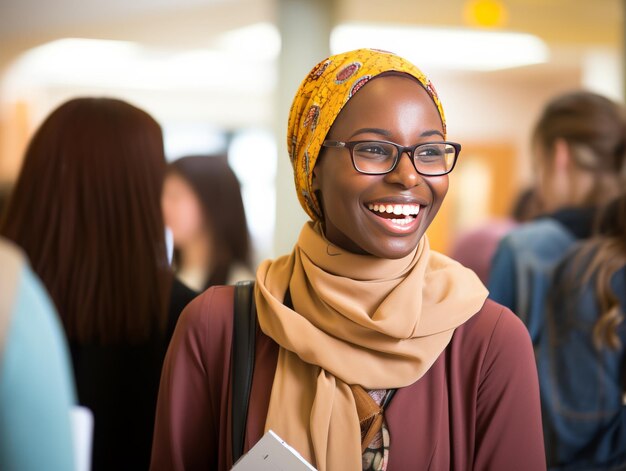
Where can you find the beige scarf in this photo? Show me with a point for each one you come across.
(358, 320)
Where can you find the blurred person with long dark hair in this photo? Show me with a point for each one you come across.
(202, 206)
(582, 356)
(86, 211)
(582, 352)
(579, 147)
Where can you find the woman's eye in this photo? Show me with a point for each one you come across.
(373, 150)
(430, 152)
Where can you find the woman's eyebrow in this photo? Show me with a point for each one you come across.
(432, 132)
(387, 133)
(382, 132)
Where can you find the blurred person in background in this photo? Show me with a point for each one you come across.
(476, 247)
(36, 385)
(203, 207)
(580, 154)
(86, 210)
(579, 145)
(582, 354)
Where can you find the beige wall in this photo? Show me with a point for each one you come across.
(14, 134)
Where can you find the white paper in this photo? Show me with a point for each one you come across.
(169, 244)
(82, 431)
(271, 453)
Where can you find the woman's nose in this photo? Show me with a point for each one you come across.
(405, 173)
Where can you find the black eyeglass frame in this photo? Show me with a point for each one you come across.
(410, 150)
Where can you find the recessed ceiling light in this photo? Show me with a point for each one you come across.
(444, 48)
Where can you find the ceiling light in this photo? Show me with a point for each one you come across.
(116, 65)
(486, 13)
(259, 41)
(444, 48)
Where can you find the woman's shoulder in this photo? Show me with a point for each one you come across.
(538, 233)
(486, 319)
(540, 241)
(491, 331)
(208, 318)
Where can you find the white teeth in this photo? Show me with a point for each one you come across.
(397, 209)
(403, 222)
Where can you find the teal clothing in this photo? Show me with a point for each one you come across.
(36, 387)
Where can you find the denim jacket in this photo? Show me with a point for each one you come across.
(581, 389)
(522, 269)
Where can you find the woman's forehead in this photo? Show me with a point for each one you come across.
(388, 101)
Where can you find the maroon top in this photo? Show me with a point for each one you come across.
(476, 408)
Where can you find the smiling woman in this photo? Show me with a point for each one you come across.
(362, 311)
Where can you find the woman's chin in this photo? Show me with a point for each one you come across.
(394, 248)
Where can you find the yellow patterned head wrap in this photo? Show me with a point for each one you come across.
(321, 97)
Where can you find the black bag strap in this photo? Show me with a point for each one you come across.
(242, 361)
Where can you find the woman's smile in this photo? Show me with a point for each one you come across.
(400, 218)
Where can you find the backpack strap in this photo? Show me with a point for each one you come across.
(242, 361)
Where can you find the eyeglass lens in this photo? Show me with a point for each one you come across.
(380, 157)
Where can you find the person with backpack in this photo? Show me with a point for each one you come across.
(372, 351)
(579, 145)
(581, 356)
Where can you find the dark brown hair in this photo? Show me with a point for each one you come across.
(597, 260)
(609, 256)
(218, 190)
(594, 129)
(86, 209)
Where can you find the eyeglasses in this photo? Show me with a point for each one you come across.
(431, 159)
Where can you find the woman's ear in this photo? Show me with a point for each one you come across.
(315, 181)
(317, 172)
(315, 189)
